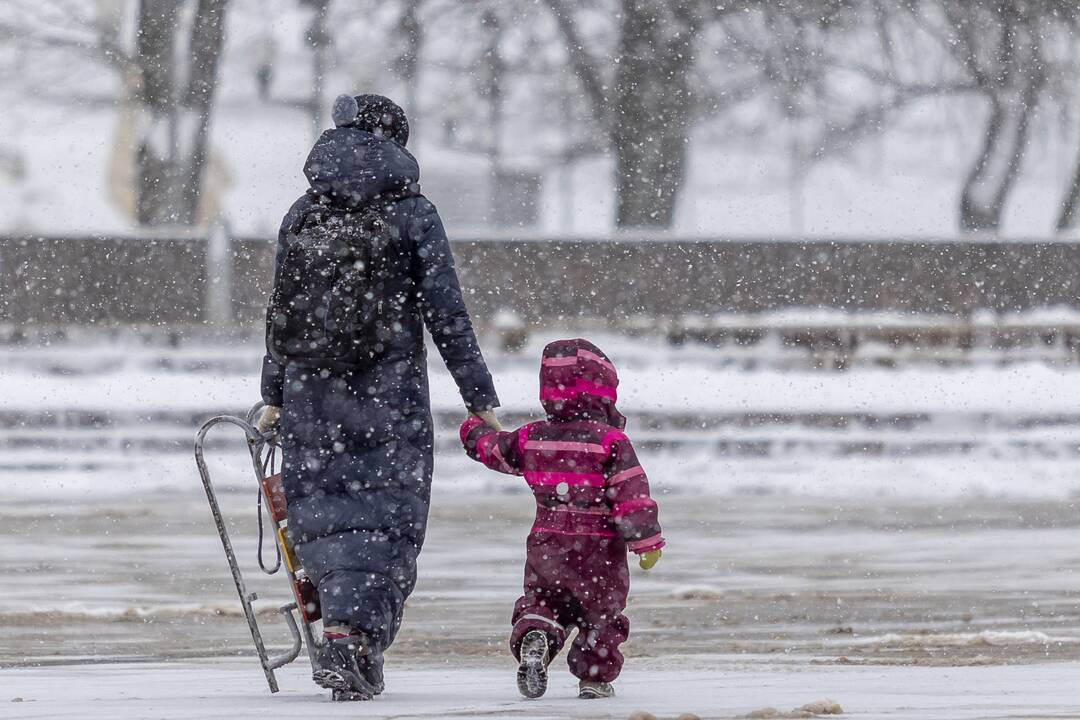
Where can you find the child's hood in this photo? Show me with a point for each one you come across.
(579, 382)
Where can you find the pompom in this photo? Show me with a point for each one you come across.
(345, 110)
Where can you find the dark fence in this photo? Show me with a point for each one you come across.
(85, 281)
(170, 281)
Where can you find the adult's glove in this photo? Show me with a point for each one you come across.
(268, 420)
(648, 559)
(489, 418)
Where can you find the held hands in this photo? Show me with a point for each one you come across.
(648, 559)
(489, 418)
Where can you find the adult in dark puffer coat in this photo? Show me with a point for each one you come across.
(358, 444)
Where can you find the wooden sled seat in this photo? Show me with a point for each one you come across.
(305, 589)
(275, 490)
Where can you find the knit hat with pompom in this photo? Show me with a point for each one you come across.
(376, 114)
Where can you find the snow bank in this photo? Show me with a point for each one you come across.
(994, 638)
(671, 385)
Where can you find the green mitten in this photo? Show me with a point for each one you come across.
(648, 559)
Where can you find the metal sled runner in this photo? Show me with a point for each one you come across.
(263, 449)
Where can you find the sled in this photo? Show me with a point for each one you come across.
(303, 612)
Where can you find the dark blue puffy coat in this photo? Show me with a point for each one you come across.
(358, 445)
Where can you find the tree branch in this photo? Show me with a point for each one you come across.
(905, 86)
(97, 48)
(583, 64)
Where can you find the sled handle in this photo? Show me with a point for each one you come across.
(297, 639)
(255, 440)
(253, 414)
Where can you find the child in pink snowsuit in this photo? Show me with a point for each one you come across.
(592, 504)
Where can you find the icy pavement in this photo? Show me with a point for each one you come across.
(776, 577)
(727, 688)
(933, 606)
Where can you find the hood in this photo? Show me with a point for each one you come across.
(349, 166)
(579, 382)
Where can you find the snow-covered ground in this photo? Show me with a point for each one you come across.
(902, 542)
(654, 378)
(729, 688)
(72, 412)
(122, 607)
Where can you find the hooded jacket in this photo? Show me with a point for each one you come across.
(357, 443)
(580, 465)
(349, 167)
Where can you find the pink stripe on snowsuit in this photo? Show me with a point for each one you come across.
(630, 506)
(581, 444)
(572, 479)
(556, 446)
(589, 355)
(570, 360)
(625, 475)
(580, 387)
(646, 544)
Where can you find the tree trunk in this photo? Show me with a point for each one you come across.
(207, 38)
(1070, 206)
(412, 35)
(987, 188)
(647, 113)
(172, 136)
(155, 148)
(650, 125)
(1005, 141)
(320, 40)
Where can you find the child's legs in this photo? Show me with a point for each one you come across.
(537, 609)
(546, 603)
(595, 654)
(602, 626)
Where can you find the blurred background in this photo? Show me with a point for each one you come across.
(830, 244)
(838, 118)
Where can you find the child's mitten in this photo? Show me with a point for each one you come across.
(648, 559)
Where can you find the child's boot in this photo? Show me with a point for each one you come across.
(592, 690)
(532, 672)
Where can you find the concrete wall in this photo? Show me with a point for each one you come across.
(63, 281)
(92, 281)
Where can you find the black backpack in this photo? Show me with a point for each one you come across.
(327, 306)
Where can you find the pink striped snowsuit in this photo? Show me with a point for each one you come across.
(592, 504)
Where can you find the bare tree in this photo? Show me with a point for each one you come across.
(986, 49)
(1065, 66)
(801, 58)
(646, 92)
(644, 102)
(169, 75)
(410, 30)
(999, 45)
(1070, 205)
(176, 91)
